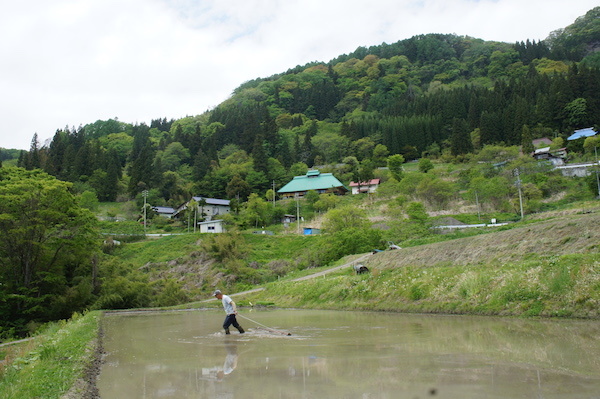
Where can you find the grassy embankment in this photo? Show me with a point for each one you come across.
(549, 268)
(52, 364)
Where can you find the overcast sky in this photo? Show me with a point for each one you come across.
(72, 62)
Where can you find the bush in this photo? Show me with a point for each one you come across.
(170, 293)
(351, 241)
(225, 246)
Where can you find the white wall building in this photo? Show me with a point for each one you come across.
(212, 226)
(208, 208)
(365, 186)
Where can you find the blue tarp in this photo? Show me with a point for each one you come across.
(582, 133)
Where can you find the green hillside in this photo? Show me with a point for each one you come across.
(547, 268)
(432, 95)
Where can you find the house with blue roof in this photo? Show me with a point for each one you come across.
(587, 132)
(313, 180)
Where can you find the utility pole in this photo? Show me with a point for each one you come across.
(298, 213)
(145, 195)
(597, 167)
(477, 202)
(520, 193)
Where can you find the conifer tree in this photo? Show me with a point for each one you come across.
(56, 152)
(22, 161)
(270, 137)
(33, 158)
(307, 154)
(460, 140)
(526, 140)
(261, 162)
(201, 165)
(113, 175)
(141, 170)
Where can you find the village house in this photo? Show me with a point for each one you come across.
(365, 186)
(587, 132)
(555, 157)
(164, 211)
(313, 180)
(208, 208)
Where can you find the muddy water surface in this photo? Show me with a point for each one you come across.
(347, 355)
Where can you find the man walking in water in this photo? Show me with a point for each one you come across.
(230, 310)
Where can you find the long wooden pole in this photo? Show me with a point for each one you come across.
(265, 327)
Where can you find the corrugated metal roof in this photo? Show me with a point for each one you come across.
(218, 221)
(163, 209)
(587, 132)
(212, 201)
(313, 180)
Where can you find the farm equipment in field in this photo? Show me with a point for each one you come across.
(391, 246)
(360, 269)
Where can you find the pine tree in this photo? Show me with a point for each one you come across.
(460, 140)
(56, 152)
(307, 154)
(261, 161)
(270, 137)
(201, 165)
(22, 161)
(114, 173)
(33, 159)
(142, 173)
(526, 140)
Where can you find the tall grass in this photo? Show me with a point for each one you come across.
(565, 286)
(54, 360)
(163, 250)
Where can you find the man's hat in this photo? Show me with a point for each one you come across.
(217, 292)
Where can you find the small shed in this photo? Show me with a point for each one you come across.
(212, 226)
(287, 219)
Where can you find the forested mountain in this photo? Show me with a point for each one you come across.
(429, 95)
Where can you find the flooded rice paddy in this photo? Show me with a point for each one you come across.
(361, 355)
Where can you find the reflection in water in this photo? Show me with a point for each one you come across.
(349, 355)
(231, 359)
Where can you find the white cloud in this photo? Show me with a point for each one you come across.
(72, 62)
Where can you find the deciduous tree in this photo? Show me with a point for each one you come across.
(46, 248)
(394, 164)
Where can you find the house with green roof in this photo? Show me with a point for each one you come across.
(313, 180)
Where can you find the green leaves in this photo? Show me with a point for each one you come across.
(394, 164)
(46, 236)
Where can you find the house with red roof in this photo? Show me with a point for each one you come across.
(365, 186)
